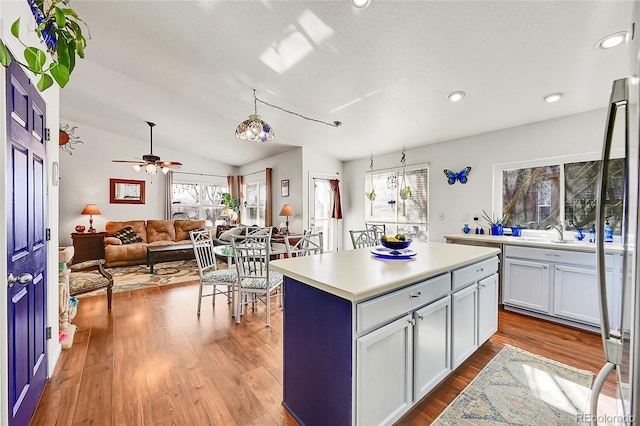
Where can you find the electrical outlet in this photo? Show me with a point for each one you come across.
(465, 217)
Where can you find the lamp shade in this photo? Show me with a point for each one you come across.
(254, 129)
(90, 209)
(287, 210)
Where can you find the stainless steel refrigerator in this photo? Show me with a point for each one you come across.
(621, 325)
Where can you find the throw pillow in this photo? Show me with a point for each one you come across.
(226, 235)
(127, 236)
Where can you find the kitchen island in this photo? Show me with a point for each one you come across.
(366, 338)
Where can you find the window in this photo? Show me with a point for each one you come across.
(531, 196)
(197, 201)
(566, 192)
(409, 216)
(255, 203)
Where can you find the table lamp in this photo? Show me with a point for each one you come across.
(287, 211)
(90, 209)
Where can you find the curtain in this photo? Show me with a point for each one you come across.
(168, 182)
(240, 197)
(268, 214)
(337, 206)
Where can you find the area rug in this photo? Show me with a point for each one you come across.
(127, 278)
(521, 388)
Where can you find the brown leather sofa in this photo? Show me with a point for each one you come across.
(152, 233)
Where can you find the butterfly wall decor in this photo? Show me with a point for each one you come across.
(461, 176)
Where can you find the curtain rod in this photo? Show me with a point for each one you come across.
(413, 166)
(255, 173)
(198, 174)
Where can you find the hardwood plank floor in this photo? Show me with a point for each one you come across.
(151, 361)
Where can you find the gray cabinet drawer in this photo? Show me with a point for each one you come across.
(472, 273)
(385, 308)
(556, 256)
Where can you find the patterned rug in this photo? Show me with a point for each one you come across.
(126, 278)
(521, 388)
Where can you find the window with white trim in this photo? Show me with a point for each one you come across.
(409, 216)
(198, 201)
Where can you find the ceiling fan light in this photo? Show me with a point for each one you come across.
(151, 169)
(137, 167)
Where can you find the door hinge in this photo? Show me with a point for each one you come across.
(47, 234)
(47, 134)
(48, 333)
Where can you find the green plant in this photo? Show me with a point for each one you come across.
(60, 29)
(370, 195)
(405, 192)
(495, 221)
(229, 202)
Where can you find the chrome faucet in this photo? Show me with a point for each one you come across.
(559, 229)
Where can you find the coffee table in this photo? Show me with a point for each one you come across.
(158, 254)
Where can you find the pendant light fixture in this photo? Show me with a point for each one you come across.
(254, 129)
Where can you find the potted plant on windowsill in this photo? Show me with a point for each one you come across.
(229, 202)
(496, 224)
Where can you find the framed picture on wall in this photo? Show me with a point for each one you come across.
(284, 188)
(126, 191)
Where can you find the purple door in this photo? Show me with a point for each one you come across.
(26, 245)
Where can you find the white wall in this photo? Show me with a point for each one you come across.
(85, 178)
(9, 12)
(575, 134)
(287, 165)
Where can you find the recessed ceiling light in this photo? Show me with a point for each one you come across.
(612, 40)
(360, 4)
(456, 96)
(552, 97)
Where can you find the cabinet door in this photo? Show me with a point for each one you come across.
(487, 308)
(384, 367)
(432, 356)
(526, 284)
(576, 294)
(464, 317)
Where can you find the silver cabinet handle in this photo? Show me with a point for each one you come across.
(413, 296)
(420, 317)
(480, 270)
(22, 279)
(551, 254)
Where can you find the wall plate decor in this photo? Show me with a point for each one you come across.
(284, 188)
(461, 176)
(126, 191)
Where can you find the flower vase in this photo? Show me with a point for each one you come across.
(516, 231)
(496, 230)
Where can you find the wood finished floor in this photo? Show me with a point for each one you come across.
(151, 361)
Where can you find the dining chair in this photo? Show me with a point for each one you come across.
(380, 229)
(223, 281)
(364, 238)
(256, 281)
(307, 244)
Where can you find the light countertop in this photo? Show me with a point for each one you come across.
(574, 245)
(356, 275)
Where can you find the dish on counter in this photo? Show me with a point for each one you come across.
(387, 253)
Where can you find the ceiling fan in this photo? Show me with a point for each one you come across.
(151, 163)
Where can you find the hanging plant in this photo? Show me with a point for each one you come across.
(371, 195)
(60, 29)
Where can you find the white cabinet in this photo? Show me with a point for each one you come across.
(487, 308)
(406, 339)
(576, 293)
(384, 373)
(560, 284)
(464, 324)
(527, 284)
(432, 343)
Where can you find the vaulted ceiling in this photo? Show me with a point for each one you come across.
(383, 71)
